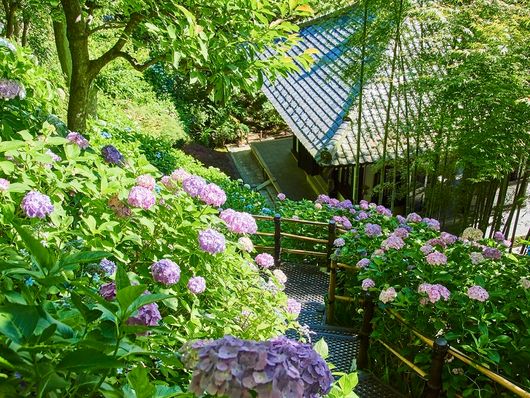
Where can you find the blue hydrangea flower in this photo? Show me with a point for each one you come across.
(29, 281)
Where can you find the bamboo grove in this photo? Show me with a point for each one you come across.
(457, 108)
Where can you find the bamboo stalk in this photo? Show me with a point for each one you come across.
(260, 217)
(304, 238)
(304, 252)
(264, 233)
(416, 369)
(348, 267)
(308, 222)
(345, 299)
(261, 247)
(330, 313)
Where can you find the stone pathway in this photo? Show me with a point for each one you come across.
(307, 284)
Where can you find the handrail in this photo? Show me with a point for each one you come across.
(415, 368)
(305, 238)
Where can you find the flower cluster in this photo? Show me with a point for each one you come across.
(393, 242)
(367, 284)
(179, 175)
(264, 260)
(293, 307)
(197, 285)
(281, 196)
(4, 184)
(477, 293)
(280, 276)
(108, 266)
(432, 223)
(36, 205)
(141, 197)
(147, 315)
(372, 230)
(245, 244)
(388, 295)
(383, 211)
(108, 291)
(165, 271)
(343, 220)
(112, 155)
(414, 218)
(193, 185)
(448, 238)
(525, 283)
(11, 89)
(239, 222)
(339, 242)
(363, 263)
(434, 292)
(476, 258)
(491, 253)
(236, 368)
(212, 241)
(54, 156)
(75, 138)
(212, 195)
(146, 181)
(436, 258)
(473, 234)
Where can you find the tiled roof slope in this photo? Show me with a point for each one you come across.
(320, 105)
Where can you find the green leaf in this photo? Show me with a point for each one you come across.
(88, 358)
(127, 295)
(43, 256)
(88, 314)
(84, 257)
(18, 321)
(139, 381)
(147, 299)
(321, 347)
(122, 279)
(11, 145)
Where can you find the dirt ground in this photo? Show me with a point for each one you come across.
(212, 157)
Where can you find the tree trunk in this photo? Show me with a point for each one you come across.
(25, 30)
(10, 8)
(63, 51)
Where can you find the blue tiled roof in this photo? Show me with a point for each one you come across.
(316, 102)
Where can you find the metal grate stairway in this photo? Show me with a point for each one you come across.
(307, 284)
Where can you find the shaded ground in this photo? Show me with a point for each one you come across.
(212, 157)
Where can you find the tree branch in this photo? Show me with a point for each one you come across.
(135, 64)
(109, 25)
(115, 51)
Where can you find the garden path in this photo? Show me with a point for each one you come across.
(307, 284)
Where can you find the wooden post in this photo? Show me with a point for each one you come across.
(330, 313)
(366, 331)
(332, 234)
(433, 387)
(277, 240)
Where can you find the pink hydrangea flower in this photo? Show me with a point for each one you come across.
(426, 249)
(293, 307)
(193, 185)
(212, 195)
(180, 175)
(146, 181)
(318, 206)
(239, 222)
(245, 244)
(4, 184)
(280, 276)
(364, 205)
(36, 205)
(367, 284)
(197, 285)
(413, 217)
(165, 271)
(168, 182)
(448, 238)
(477, 293)
(393, 242)
(388, 295)
(401, 232)
(434, 292)
(264, 260)
(281, 197)
(212, 241)
(75, 138)
(436, 258)
(141, 197)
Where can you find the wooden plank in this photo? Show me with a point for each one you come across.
(265, 168)
(263, 185)
(305, 238)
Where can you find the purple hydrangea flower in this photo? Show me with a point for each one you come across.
(193, 185)
(362, 215)
(413, 217)
(146, 181)
(212, 195)
(293, 307)
(53, 155)
(393, 242)
(10, 89)
(448, 238)
(111, 155)
(147, 315)
(363, 263)
(264, 260)
(401, 220)
(108, 291)
(141, 197)
(333, 202)
(212, 241)
(499, 236)
(401, 232)
(388, 295)
(75, 138)
(364, 205)
(436, 258)
(36, 205)
(432, 223)
(180, 175)
(383, 211)
(281, 197)
(322, 199)
(197, 285)
(346, 204)
(239, 222)
(426, 249)
(109, 267)
(372, 230)
(4, 184)
(236, 368)
(491, 253)
(165, 271)
(367, 284)
(477, 293)
(339, 242)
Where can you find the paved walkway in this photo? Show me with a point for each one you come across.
(307, 284)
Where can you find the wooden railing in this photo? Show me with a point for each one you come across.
(439, 346)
